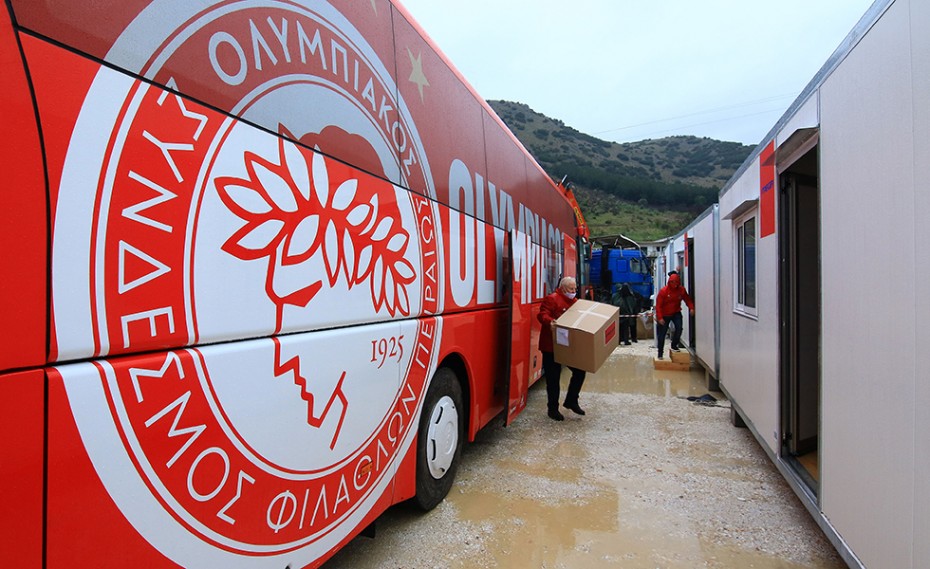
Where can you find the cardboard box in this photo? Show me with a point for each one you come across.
(586, 335)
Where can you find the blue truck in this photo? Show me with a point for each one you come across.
(611, 267)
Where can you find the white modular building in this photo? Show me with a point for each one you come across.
(819, 279)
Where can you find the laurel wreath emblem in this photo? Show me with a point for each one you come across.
(306, 204)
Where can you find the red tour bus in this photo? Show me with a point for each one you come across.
(266, 266)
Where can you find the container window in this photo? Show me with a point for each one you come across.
(746, 264)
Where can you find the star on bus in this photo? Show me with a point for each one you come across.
(417, 76)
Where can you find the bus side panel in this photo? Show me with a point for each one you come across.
(373, 20)
(273, 451)
(94, 28)
(23, 215)
(473, 271)
(448, 118)
(88, 27)
(508, 170)
(178, 242)
(555, 211)
(130, 36)
(22, 420)
(85, 527)
(405, 484)
(117, 231)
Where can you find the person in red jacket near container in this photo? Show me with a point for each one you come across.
(668, 310)
(553, 306)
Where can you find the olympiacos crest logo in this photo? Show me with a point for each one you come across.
(208, 228)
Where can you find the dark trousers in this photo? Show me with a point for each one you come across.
(627, 328)
(662, 330)
(553, 372)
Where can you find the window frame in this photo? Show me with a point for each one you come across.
(740, 272)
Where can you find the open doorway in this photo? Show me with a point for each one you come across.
(800, 314)
(689, 286)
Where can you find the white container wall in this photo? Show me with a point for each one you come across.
(870, 215)
(749, 343)
(830, 356)
(920, 58)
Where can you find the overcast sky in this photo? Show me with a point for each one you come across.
(627, 70)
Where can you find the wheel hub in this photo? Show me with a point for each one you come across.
(442, 437)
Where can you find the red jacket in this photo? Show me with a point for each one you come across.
(669, 299)
(552, 307)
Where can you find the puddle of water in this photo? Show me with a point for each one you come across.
(632, 374)
(537, 533)
(615, 529)
(549, 470)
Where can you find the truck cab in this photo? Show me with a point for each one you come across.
(611, 267)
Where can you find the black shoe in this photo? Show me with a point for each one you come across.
(635, 340)
(626, 343)
(574, 408)
(676, 349)
(556, 416)
(660, 357)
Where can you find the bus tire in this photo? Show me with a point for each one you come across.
(439, 439)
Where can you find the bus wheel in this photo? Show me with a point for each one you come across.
(439, 439)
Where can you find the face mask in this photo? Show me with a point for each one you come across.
(570, 294)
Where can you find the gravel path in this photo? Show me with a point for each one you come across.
(647, 479)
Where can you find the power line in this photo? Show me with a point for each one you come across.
(698, 113)
(650, 134)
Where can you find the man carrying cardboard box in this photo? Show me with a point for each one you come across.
(553, 306)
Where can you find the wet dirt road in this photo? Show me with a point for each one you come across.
(647, 479)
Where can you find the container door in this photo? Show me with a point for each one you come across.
(800, 280)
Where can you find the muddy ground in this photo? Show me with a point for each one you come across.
(647, 479)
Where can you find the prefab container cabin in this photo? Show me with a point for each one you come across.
(823, 271)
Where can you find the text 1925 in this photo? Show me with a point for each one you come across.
(385, 349)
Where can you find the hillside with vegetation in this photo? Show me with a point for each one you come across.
(646, 190)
